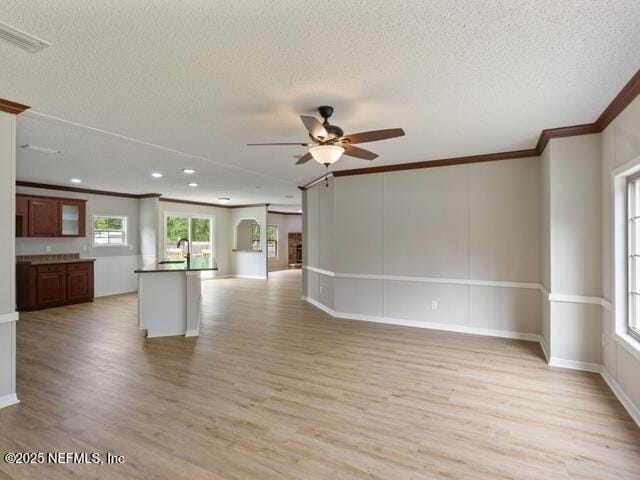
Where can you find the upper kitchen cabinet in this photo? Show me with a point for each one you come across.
(49, 216)
(72, 217)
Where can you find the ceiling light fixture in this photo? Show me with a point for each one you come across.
(35, 148)
(156, 175)
(76, 180)
(326, 154)
(188, 171)
(224, 199)
(193, 184)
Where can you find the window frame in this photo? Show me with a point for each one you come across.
(632, 213)
(189, 216)
(619, 305)
(125, 230)
(275, 241)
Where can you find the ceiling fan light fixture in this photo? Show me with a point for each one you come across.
(326, 154)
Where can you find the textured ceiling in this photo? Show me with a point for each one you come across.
(204, 78)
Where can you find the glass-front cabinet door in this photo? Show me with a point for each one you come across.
(72, 218)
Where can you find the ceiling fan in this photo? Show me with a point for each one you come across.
(329, 143)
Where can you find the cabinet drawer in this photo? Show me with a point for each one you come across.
(74, 267)
(58, 267)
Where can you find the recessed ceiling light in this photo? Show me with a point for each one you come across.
(193, 184)
(188, 171)
(156, 175)
(35, 148)
(258, 187)
(224, 199)
(288, 196)
(76, 180)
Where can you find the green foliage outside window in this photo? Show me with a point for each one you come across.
(108, 223)
(177, 228)
(200, 229)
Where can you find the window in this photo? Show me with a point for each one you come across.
(272, 241)
(255, 236)
(109, 231)
(199, 232)
(633, 251)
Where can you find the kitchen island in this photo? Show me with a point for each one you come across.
(169, 297)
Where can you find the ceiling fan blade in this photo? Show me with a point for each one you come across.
(314, 126)
(257, 144)
(304, 159)
(373, 135)
(359, 152)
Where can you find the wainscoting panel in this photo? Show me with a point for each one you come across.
(115, 275)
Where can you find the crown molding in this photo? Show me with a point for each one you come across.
(64, 188)
(249, 205)
(444, 162)
(12, 107)
(284, 213)
(621, 101)
(206, 204)
(571, 131)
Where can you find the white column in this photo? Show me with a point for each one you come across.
(8, 314)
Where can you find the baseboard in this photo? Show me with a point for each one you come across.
(7, 400)
(575, 365)
(192, 333)
(621, 396)
(8, 317)
(254, 277)
(545, 349)
(319, 305)
(532, 337)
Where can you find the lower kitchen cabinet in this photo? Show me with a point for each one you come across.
(53, 285)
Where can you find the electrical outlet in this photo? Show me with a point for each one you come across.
(47, 249)
(321, 289)
(602, 340)
(434, 304)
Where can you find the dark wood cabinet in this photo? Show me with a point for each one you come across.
(38, 216)
(71, 214)
(22, 216)
(79, 281)
(43, 217)
(53, 285)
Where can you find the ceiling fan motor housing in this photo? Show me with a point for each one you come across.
(334, 131)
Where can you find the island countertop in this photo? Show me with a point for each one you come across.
(198, 264)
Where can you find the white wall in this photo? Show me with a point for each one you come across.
(222, 242)
(575, 267)
(466, 236)
(620, 143)
(114, 266)
(243, 263)
(285, 224)
(8, 315)
(148, 209)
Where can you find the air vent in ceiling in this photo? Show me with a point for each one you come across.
(21, 39)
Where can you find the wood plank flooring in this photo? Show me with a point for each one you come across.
(276, 389)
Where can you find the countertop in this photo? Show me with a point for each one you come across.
(198, 264)
(57, 261)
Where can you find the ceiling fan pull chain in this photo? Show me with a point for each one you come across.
(326, 174)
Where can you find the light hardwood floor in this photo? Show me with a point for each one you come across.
(273, 389)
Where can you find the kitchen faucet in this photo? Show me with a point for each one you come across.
(188, 257)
